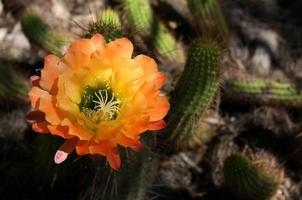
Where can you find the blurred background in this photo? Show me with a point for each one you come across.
(245, 142)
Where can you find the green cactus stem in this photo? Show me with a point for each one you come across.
(141, 173)
(134, 179)
(246, 180)
(12, 86)
(209, 17)
(39, 34)
(142, 20)
(108, 24)
(265, 91)
(194, 92)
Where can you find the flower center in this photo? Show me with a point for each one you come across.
(99, 103)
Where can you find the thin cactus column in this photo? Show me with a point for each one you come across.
(194, 92)
(209, 17)
(38, 33)
(265, 91)
(142, 19)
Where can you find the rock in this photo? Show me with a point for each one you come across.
(3, 32)
(260, 63)
(59, 9)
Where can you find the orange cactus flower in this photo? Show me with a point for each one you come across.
(98, 97)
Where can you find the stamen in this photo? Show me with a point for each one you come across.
(108, 108)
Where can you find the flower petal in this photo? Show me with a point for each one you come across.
(66, 148)
(85, 46)
(157, 125)
(50, 72)
(134, 144)
(76, 59)
(48, 106)
(77, 130)
(82, 147)
(98, 42)
(135, 127)
(61, 131)
(34, 80)
(35, 94)
(159, 79)
(147, 64)
(160, 108)
(36, 116)
(119, 48)
(41, 127)
(114, 159)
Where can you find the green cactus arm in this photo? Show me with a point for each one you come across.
(194, 91)
(134, 179)
(38, 33)
(209, 17)
(142, 19)
(133, 183)
(108, 24)
(265, 91)
(12, 85)
(247, 181)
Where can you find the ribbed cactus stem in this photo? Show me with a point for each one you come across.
(194, 91)
(12, 85)
(38, 33)
(247, 181)
(141, 173)
(209, 17)
(108, 24)
(142, 20)
(268, 91)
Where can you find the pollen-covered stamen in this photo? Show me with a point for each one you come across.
(109, 108)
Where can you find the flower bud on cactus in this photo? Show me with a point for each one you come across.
(108, 24)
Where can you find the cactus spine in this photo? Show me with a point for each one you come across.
(108, 24)
(209, 17)
(246, 180)
(194, 91)
(267, 91)
(142, 19)
(39, 34)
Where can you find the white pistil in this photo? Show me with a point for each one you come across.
(108, 108)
